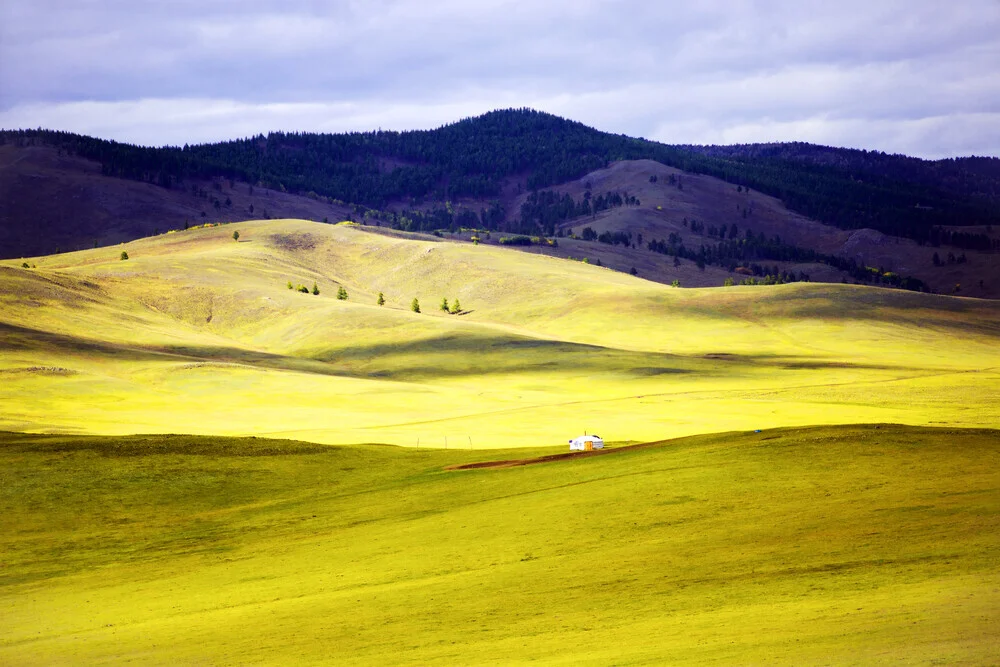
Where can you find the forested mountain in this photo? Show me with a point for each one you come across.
(849, 189)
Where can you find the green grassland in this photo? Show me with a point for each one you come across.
(859, 545)
(196, 333)
(813, 541)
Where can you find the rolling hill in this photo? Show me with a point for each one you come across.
(198, 333)
(755, 505)
(820, 213)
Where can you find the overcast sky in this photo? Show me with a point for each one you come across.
(920, 77)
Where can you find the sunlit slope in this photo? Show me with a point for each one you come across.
(198, 333)
(821, 546)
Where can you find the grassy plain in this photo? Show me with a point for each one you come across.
(830, 545)
(196, 333)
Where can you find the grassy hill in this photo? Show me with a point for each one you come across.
(757, 522)
(851, 545)
(197, 333)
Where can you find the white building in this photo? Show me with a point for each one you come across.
(586, 443)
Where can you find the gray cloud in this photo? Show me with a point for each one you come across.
(916, 77)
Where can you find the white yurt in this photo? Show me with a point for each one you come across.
(586, 443)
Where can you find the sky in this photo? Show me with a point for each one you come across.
(919, 77)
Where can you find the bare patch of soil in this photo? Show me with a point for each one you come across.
(513, 463)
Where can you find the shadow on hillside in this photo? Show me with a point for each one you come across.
(422, 360)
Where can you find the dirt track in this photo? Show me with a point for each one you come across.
(511, 463)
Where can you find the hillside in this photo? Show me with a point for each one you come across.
(52, 201)
(840, 215)
(852, 545)
(198, 333)
(701, 213)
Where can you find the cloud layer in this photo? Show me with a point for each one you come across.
(916, 77)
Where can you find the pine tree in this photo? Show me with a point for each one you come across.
(456, 307)
(381, 299)
(415, 306)
(236, 236)
(342, 293)
(444, 304)
(124, 255)
(315, 288)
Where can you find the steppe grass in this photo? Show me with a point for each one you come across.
(836, 545)
(198, 334)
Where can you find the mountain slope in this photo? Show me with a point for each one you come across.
(198, 333)
(703, 214)
(940, 218)
(52, 201)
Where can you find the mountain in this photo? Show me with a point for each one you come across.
(478, 174)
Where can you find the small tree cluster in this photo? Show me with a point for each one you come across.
(342, 293)
(454, 309)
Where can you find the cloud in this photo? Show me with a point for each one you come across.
(190, 71)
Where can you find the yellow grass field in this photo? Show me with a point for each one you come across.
(196, 333)
(817, 484)
(821, 546)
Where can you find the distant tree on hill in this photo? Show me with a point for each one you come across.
(415, 306)
(123, 256)
(290, 285)
(315, 288)
(24, 265)
(675, 283)
(381, 299)
(342, 293)
(444, 304)
(236, 236)
(456, 307)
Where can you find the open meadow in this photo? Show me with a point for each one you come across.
(197, 333)
(854, 545)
